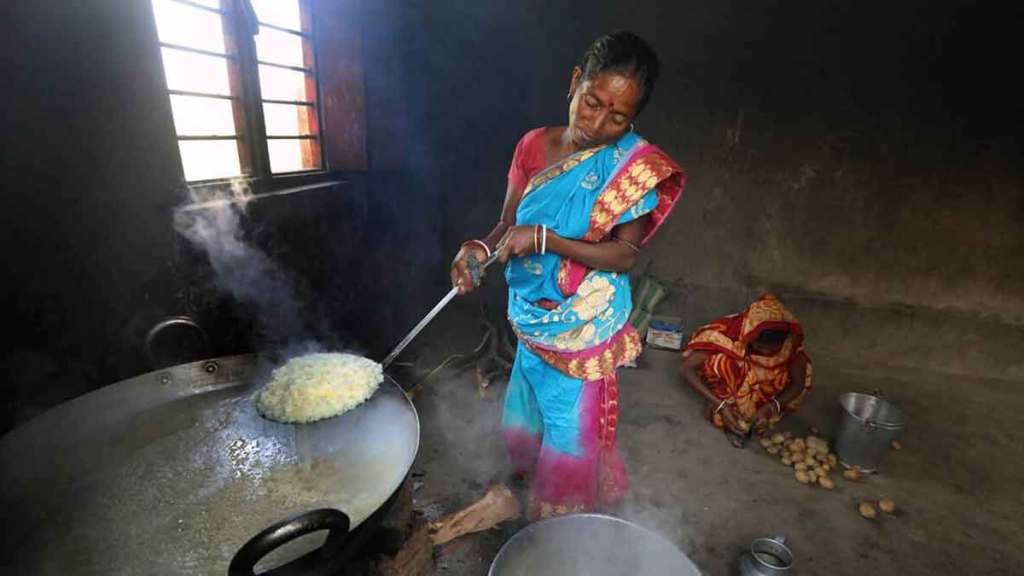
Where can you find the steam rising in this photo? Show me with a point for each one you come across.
(212, 223)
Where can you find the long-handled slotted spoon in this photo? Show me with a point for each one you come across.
(476, 269)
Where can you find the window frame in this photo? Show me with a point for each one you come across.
(247, 100)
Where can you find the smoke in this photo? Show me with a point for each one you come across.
(212, 223)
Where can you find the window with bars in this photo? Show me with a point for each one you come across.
(242, 80)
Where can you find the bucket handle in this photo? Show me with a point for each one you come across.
(870, 424)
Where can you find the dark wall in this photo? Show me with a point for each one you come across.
(860, 159)
(90, 173)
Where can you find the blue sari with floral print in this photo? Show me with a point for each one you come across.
(561, 402)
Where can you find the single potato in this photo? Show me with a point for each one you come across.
(867, 510)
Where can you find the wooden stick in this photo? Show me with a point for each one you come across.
(414, 559)
(497, 506)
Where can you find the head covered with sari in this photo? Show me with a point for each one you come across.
(735, 370)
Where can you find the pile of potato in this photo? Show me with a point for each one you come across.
(809, 456)
(812, 462)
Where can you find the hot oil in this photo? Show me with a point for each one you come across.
(303, 447)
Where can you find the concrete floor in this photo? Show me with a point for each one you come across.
(957, 480)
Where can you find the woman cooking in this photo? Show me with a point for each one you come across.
(581, 201)
(749, 367)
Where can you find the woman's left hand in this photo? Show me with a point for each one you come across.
(764, 416)
(518, 241)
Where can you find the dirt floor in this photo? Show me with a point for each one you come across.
(956, 481)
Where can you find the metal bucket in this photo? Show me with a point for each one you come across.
(868, 425)
(590, 545)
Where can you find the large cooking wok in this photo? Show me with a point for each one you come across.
(172, 472)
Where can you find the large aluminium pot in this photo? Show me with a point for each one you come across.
(590, 545)
(173, 472)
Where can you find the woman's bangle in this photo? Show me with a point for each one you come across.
(536, 242)
(723, 403)
(778, 407)
(543, 239)
(632, 246)
(479, 243)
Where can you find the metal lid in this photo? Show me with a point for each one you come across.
(590, 544)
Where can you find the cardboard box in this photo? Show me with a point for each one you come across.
(665, 332)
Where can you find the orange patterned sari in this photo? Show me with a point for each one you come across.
(732, 371)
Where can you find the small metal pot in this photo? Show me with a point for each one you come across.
(766, 557)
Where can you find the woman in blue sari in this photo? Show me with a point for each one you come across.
(581, 201)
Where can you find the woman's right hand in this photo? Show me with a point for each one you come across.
(732, 421)
(460, 275)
